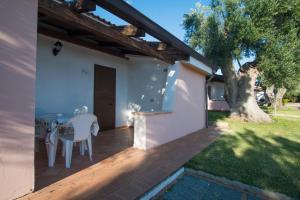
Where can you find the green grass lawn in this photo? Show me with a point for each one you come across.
(286, 110)
(217, 115)
(263, 155)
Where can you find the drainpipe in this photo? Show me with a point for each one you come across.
(206, 96)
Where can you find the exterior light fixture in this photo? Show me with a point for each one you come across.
(57, 48)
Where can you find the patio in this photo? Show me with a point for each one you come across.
(106, 144)
(124, 175)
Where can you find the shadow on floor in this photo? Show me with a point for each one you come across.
(106, 144)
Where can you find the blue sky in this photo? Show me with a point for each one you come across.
(166, 13)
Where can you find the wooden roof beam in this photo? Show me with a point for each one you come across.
(79, 33)
(109, 44)
(84, 6)
(68, 38)
(160, 46)
(42, 17)
(177, 54)
(64, 14)
(128, 13)
(131, 31)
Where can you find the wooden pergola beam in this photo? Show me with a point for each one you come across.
(42, 17)
(179, 56)
(128, 13)
(68, 38)
(63, 13)
(84, 6)
(78, 33)
(108, 44)
(131, 31)
(159, 46)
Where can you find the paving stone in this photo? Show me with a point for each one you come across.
(195, 188)
(118, 169)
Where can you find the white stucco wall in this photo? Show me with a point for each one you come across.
(18, 27)
(146, 82)
(66, 81)
(187, 114)
(170, 88)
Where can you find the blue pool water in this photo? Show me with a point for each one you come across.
(193, 188)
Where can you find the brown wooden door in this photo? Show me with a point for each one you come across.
(105, 96)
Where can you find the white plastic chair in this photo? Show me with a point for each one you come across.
(84, 110)
(76, 111)
(82, 133)
(51, 143)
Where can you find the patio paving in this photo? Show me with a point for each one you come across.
(106, 144)
(127, 174)
(195, 188)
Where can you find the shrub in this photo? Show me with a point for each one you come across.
(285, 101)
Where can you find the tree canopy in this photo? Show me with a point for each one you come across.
(265, 30)
(279, 56)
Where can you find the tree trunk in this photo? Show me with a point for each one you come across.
(239, 93)
(230, 81)
(271, 96)
(275, 105)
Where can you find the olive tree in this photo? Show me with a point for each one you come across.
(266, 30)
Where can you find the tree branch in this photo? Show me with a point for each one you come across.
(238, 61)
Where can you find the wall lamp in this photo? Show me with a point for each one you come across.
(57, 48)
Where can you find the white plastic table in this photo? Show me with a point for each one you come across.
(52, 136)
(61, 118)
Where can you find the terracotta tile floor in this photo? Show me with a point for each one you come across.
(127, 174)
(105, 145)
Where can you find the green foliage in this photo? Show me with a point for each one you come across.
(285, 101)
(214, 116)
(279, 55)
(293, 94)
(265, 29)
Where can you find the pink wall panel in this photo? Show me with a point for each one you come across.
(18, 33)
(218, 105)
